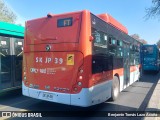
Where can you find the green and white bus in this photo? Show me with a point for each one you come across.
(11, 49)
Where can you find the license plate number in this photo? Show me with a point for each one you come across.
(48, 96)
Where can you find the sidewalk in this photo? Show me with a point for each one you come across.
(154, 103)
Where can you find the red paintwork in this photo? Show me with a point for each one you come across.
(45, 30)
(75, 40)
(66, 40)
(109, 19)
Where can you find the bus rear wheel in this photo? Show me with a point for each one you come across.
(115, 89)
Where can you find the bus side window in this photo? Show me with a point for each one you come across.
(112, 46)
(137, 58)
(112, 41)
(119, 48)
(97, 37)
(132, 58)
(118, 42)
(100, 41)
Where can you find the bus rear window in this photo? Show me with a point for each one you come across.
(148, 50)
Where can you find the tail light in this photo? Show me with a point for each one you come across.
(77, 87)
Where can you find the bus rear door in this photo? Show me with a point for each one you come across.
(126, 64)
(18, 55)
(5, 63)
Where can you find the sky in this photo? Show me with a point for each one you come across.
(131, 13)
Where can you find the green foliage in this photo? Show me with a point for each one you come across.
(6, 14)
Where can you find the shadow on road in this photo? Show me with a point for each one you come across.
(149, 77)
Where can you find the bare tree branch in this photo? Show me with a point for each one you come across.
(154, 10)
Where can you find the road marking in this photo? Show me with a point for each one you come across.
(4, 107)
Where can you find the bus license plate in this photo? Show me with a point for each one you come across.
(48, 96)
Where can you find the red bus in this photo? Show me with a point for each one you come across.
(78, 58)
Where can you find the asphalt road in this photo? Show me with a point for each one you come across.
(133, 98)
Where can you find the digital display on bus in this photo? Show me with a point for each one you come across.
(64, 22)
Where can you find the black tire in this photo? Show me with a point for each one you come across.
(115, 89)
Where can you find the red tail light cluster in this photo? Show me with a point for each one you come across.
(77, 87)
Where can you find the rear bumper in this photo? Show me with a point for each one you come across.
(87, 96)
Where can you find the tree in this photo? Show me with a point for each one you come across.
(136, 36)
(6, 14)
(158, 43)
(143, 41)
(154, 10)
